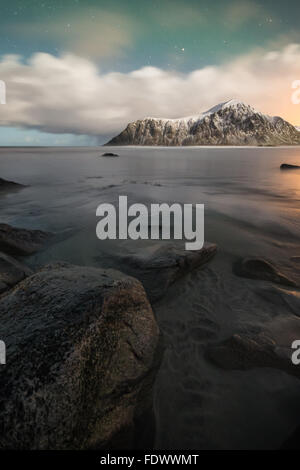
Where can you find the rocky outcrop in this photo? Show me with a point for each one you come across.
(161, 265)
(11, 272)
(82, 352)
(230, 123)
(20, 241)
(6, 185)
(259, 268)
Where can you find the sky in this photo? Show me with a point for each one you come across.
(77, 71)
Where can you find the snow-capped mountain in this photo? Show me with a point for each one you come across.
(229, 123)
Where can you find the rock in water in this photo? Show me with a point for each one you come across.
(160, 265)
(82, 353)
(281, 298)
(259, 268)
(11, 272)
(109, 154)
(229, 123)
(287, 166)
(20, 241)
(270, 347)
(6, 185)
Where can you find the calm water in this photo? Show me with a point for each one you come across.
(251, 208)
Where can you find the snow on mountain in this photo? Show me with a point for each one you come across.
(230, 123)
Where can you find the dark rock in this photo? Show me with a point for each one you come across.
(159, 266)
(293, 441)
(281, 298)
(6, 185)
(259, 268)
(271, 347)
(109, 154)
(20, 241)
(11, 272)
(287, 166)
(83, 348)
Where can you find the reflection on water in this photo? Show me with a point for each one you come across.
(251, 208)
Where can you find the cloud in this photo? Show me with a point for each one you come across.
(69, 94)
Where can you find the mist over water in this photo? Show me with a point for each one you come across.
(251, 208)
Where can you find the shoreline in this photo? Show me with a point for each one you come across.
(179, 147)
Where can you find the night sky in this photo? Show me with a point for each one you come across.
(121, 37)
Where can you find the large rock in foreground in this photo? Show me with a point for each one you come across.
(161, 265)
(82, 352)
(20, 241)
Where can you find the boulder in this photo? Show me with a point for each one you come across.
(83, 348)
(288, 166)
(20, 241)
(11, 272)
(261, 269)
(161, 265)
(6, 185)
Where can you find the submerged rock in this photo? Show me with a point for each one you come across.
(20, 241)
(83, 348)
(6, 185)
(11, 272)
(288, 166)
(109, 154)
(271, 347)
(281, 298)
(160, 265)
(261, 269)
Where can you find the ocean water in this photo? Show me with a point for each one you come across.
(251, 208)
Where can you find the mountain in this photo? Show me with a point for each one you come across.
(229, 123)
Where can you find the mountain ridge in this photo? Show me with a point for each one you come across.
(228, 123)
